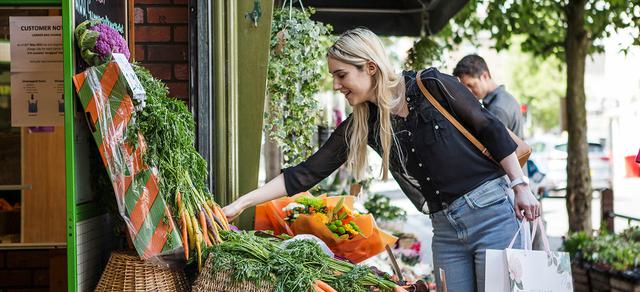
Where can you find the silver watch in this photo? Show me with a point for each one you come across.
(520, 180)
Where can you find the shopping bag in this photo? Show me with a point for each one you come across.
(526, 269)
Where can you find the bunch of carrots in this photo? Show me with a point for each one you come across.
(169, 129)
(201, 221)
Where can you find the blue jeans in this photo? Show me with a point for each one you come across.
(481, 219)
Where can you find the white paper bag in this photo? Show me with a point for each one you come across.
(526, 269)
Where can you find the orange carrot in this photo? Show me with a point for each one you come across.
(223, 218)
(324, 286)
(185, 240)
(218, 215)
(203, 225)
(316, 288)
(179, 200)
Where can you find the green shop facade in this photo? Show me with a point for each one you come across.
(228, 52)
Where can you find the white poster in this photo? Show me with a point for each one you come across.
(36, 71)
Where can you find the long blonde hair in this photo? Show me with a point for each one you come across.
(357, 47)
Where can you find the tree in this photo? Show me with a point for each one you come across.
(569, 30)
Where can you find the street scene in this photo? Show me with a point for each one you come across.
(320, 145)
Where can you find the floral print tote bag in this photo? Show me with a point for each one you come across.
(526, 269)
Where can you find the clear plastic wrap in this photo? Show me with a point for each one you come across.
(105, 95)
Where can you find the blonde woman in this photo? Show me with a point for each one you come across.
(439, 170)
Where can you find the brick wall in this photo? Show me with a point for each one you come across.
(161, 36)
(33, 270)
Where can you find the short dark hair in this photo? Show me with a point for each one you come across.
(471, 65)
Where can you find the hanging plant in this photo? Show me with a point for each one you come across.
(294, 76)
(426, 52)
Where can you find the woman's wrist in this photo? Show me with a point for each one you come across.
(245, 201)
(521, 189)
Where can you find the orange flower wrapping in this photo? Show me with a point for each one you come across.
(372, 241)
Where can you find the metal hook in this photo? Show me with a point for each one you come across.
(255, 14)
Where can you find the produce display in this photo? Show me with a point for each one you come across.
(295, 265)
(169, 128)
(146, 142)
(147, 148)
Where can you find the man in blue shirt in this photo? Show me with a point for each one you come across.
(473, 72)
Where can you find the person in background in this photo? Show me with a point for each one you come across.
(473, 72)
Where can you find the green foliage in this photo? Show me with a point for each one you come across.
(575, 243)
(620, 252)
(380, 207)
(291, 267)
(632, 233)
(426, 52)
(294, 76)
(169, 130)
(544, 23)
(538, 83)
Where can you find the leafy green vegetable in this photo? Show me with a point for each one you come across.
(293, 267)
(309, 201)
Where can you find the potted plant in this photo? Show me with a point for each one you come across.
(605, 262)
(294, 77)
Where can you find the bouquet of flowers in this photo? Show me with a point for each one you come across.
(348, 234)
(338, 219)
(408, 247)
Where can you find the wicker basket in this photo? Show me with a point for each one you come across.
(221, 281)
(125, 271)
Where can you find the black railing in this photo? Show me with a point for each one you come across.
(616, 215)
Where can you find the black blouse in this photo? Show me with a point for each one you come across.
(433, 163)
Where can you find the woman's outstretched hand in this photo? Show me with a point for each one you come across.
(272, 190)
(233, 210)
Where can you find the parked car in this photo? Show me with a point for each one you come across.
(550, 155)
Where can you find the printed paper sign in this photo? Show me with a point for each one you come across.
(37, 84)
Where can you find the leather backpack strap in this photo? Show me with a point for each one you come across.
(451, 119)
